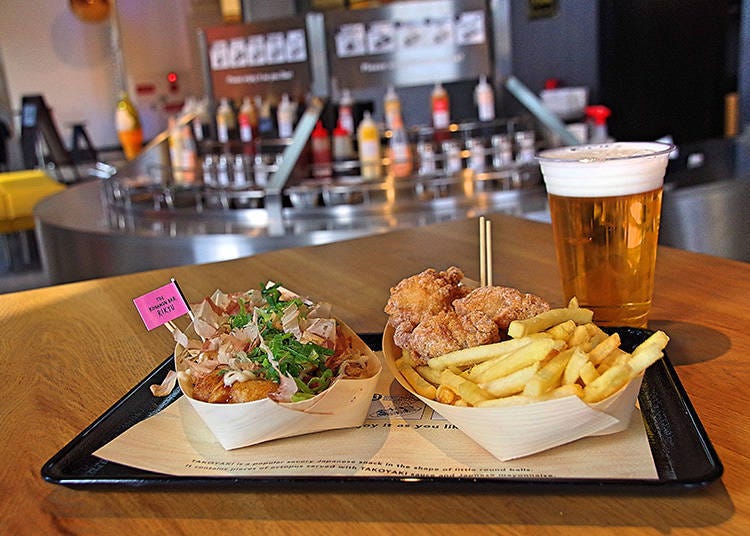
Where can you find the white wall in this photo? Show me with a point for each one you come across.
(47, 51)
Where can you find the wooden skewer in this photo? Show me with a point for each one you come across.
(488, 252)
(482, 252)
(184, 298)
(485, 252)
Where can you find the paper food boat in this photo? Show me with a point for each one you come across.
(516, 431)
(343, 405)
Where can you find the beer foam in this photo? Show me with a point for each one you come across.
(605, 170)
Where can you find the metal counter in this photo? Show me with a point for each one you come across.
(81, 236)
(712, 218)
(106, 227)
(243, 199)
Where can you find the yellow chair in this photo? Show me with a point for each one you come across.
(20, 191)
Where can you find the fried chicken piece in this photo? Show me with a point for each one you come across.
(501, 304)
(423, 295)
(448, 331)
(211, 388)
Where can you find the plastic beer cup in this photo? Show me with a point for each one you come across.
(605, 205)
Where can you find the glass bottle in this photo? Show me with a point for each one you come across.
(128, 126)
(225, 121)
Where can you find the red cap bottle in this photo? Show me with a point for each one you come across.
(597, 115)
(321, 152)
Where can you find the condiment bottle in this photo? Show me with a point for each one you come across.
(240, 172)
(285, 117)
(201, 123)
(260, 171)
(368, 140)
(321, 152)
(248, 120)
(485, 99)
(452, 155)
(222, 170)
(346, 115)
(189, 154)
(426, 158)
(399, 153)
(502, 150)
(597, 116)
(265, 121)
(343, 148)
(525, 142)
(128, 126)
(225, 121)
(190, 107)
(174, 143)
(476, 154)
(441, 116)
(182, 153)
(392, 108)
(209, 170)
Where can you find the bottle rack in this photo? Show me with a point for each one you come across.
(466, 159)
(275, 176)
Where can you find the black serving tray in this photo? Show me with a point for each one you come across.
(681, 449)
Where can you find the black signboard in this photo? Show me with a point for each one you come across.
(259, 58)
(408, 43)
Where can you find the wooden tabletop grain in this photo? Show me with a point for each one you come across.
(70, 351)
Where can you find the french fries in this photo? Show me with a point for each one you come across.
(535, 352)
(420, 385)
(558, 353)
(547, 319)
(477, 354)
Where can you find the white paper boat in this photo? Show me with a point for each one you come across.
(343, 405)
(516, 431)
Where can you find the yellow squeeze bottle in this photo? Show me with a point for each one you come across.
(368, 140)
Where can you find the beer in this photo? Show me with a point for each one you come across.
(606, 248)
(605, 205)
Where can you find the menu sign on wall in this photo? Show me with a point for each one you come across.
(258, 58)
(409, 43)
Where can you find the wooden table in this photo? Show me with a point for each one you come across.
(71, 351)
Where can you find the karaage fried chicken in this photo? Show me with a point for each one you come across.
(433, 314)
(502, 304)
(448, 331)
(423, 295)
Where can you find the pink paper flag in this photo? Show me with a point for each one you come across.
(161, 305)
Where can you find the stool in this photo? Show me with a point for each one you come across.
(81, 148)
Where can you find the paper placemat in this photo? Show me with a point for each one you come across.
(401, 437)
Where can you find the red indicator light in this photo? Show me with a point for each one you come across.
(172, 77)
